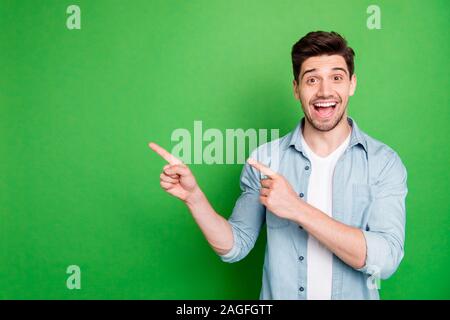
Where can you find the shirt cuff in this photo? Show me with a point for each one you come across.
(373, 245)
(231, 255)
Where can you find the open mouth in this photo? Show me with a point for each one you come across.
(325, 109)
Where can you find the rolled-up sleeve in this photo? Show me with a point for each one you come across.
(247, 217)
(385, 232)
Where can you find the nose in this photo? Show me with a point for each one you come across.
(325, 89)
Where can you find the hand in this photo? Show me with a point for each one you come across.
(176, 178)
(276, 193)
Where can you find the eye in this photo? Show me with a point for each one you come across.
(311, 81)
(338, 78)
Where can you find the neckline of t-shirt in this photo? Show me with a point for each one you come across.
(328, 157)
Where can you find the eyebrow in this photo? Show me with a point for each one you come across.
(338, 68)
(306, 71)
(314, 69)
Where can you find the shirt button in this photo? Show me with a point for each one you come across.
(301, 258)
(301, 194)
(307, 168)
(301, 289)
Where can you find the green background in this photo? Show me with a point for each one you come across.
(78, 184)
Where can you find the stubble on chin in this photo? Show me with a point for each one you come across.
(327, 125)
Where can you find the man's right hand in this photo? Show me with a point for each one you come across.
(176, 178)
(179, 181)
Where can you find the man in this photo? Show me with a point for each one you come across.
(332, 197)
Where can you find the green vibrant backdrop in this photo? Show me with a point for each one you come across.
(78, 184)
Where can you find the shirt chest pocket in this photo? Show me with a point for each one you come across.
(275, 222)
(361, 203)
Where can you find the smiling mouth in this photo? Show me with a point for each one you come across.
(325, 109)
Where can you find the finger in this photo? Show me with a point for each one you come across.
(164, 154)
(263, 200)
(165, 185)
(175, 176)
(262, 168)
(166, 178)
(179, 169)
(263, 192)
(266, 183)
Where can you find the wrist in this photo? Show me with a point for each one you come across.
(195, 197)
(298, 214)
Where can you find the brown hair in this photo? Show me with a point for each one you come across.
(321, 43)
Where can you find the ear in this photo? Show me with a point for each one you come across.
(352, 85)
(296, 89)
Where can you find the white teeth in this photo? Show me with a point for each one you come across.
(325, 104)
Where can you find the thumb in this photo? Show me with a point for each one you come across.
(180, 169)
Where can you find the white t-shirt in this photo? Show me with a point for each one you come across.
(320, 259)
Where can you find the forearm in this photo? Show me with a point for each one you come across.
(348, 243)
(216, 229)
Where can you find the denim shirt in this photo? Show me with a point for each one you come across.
(369, 191)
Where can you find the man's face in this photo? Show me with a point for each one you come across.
(323, 89)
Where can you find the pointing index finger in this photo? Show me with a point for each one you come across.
(262, 168)
(171, 159)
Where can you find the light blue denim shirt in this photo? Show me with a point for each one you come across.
(369, 191)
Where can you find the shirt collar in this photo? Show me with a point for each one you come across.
(356, 136)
